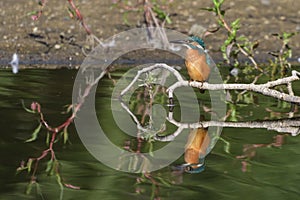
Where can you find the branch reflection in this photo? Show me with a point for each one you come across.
(199, 142)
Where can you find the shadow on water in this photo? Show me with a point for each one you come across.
(245, 163)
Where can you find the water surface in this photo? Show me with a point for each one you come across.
(272, 173)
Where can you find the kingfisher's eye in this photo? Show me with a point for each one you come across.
(188, 168)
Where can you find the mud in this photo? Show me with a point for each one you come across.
(56, 39)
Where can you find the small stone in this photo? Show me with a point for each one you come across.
(266, 37)
(57, 46)
(35, 29)
(283, 18)
(266, 2)
(299, 59)
(191, 19)
(251, 9)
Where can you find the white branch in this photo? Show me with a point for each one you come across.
(265, 89)
(291, 126)
(147, 69)
(138, 125)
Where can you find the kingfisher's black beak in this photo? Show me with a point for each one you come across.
(179, 41)
(191, 168)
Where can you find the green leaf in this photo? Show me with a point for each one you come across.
(289, 52)
(35, 133)
(226, 146)
(29, 188)
(29, 164)
(288, 35)
(242, 38)
(151, 149)
(216, 3)
(69, 108)
(38, 189)
(220, 23)
(71, 12)
(49, 166)
(48, 139)
(246, 49)
(164, 182)
(235, 24)
(229, 40)
(32, 13)
(168, 19)
(27, 109)
(65, 135)
(58, 179)
(53, 169)
(161, 14)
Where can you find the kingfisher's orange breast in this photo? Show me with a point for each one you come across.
(196, 65)
(198, 142)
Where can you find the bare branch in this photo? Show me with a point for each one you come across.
(265, 89)
(150, 68)
(291, 126)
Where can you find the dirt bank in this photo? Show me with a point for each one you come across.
(55, 38)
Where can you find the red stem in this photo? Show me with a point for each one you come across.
(80, 17)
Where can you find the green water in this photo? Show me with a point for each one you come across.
(272, 173)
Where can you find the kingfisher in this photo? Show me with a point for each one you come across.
(196, 59)
(195, 151)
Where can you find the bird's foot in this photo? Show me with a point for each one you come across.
(171, 105)
(201, 90)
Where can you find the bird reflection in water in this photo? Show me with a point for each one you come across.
(195, 151)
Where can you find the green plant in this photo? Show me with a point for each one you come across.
(282, 55)
(54, 134)
(74, 13)
(234, 44)
(154, 11)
